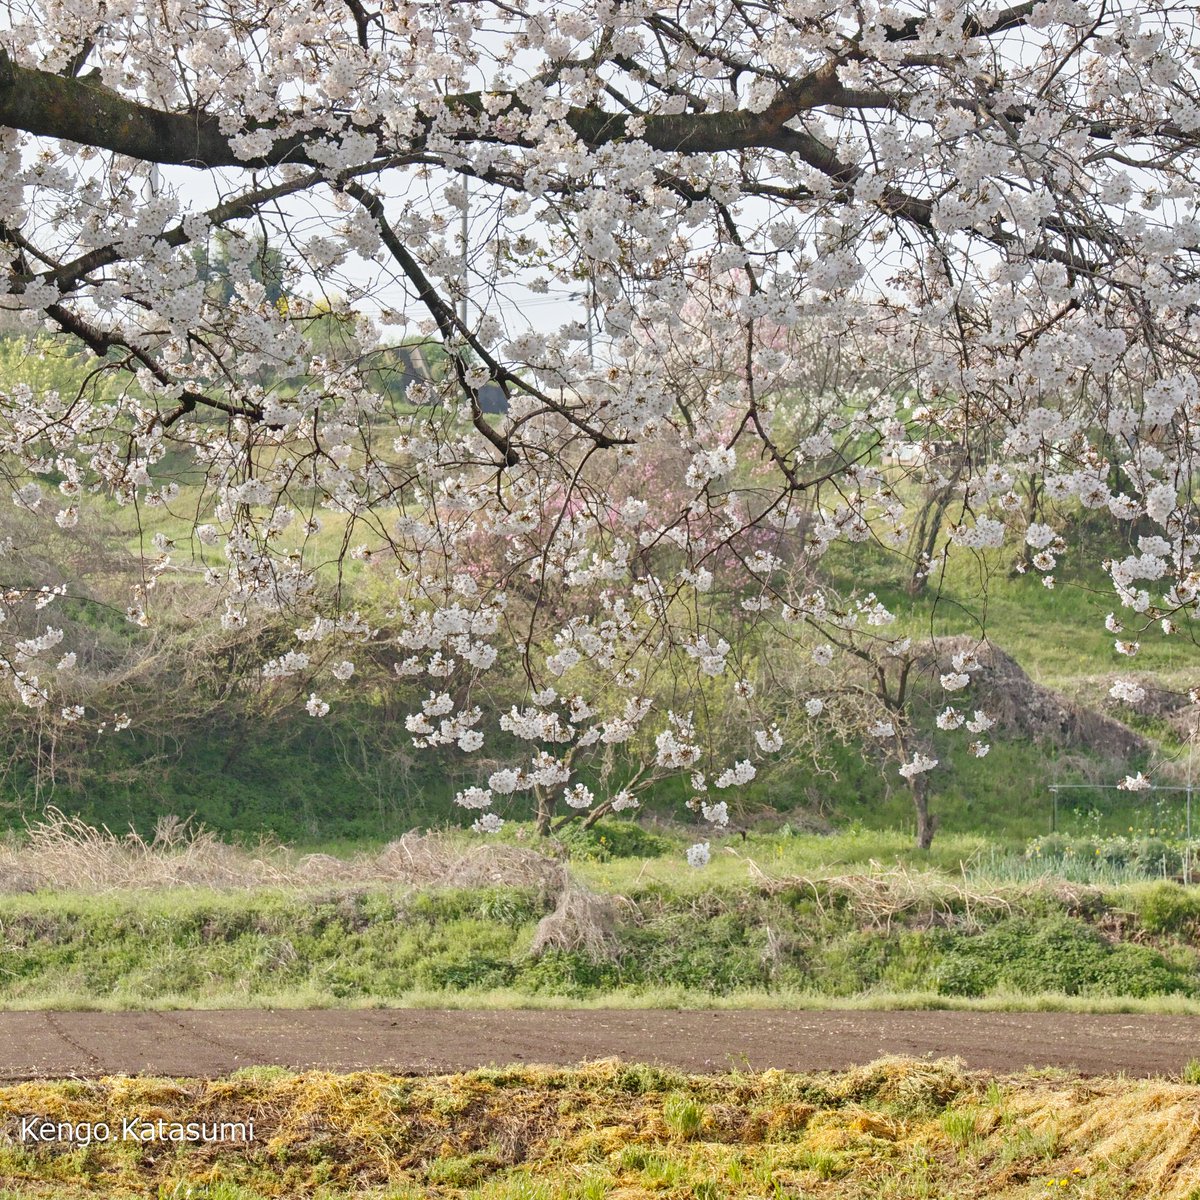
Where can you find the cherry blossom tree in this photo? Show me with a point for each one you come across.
(998, 203)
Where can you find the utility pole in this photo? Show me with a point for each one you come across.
(588, 299)
(590, 303)
(466, 279)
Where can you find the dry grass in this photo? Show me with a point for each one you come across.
(1024, 708)
(430, 858)
(887, 895)
(581, 920)
(894, 1130)
(883, 896)
(65, 853)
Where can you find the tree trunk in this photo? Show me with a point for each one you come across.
(926, 823)
(924, 539)
(545, 812)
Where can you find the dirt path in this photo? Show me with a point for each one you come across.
(53, 1045)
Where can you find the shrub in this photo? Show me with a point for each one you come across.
(568, 973)
(1157, 857)
(1169, 908)
(614, 839)
(1056, 954)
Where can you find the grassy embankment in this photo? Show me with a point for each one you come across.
(894, 1130)
(351, 778)
(795, 921)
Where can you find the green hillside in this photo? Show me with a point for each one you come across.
(209, 738)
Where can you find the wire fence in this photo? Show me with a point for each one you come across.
(1161, 812)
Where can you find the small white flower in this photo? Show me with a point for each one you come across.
(342, 671)
(1128, 691)
(949, 718)
(980, 749)
(623, 800)
(316, 707)
(955, 681)
(814, 707)
(488, 823)
(72, 713)
(982, 722)
(769, 741)
(579, 796)
(1039, 536)
(473, 797)
(919, 764)
(505, 781)
(966, 661)
(822, 655)
(29, 496)
(740, 773)
(698, 855)
(634, 510)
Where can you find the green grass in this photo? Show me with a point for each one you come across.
(735, 860)
(301, 783)
(308, 791)
(353, 776)
(1016, 611)
(902, 940)
(682, 1115)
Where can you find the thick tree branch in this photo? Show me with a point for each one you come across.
(101, 342)
(84, 110)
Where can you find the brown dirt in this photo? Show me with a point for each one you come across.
(1023, 708)
(45, 1045)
